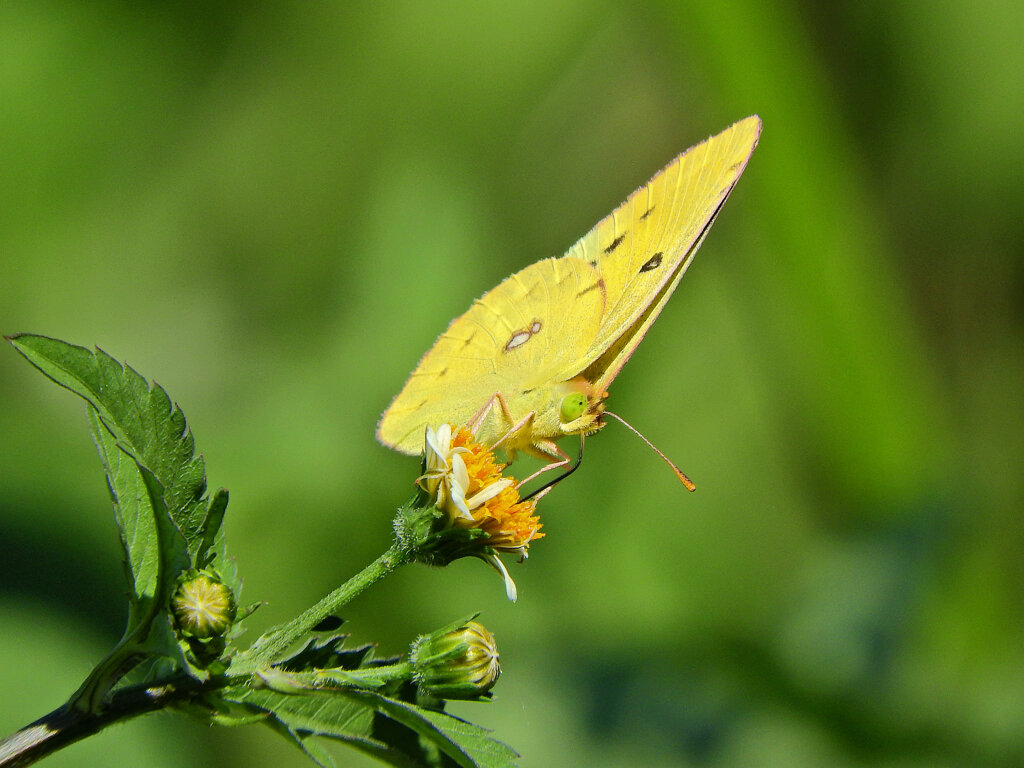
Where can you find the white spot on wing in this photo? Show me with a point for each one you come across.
(522, 336)
(518, 339)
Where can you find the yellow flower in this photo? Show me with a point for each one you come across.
(466, 481)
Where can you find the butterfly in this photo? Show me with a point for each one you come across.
(531, 360)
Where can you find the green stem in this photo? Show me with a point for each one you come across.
(369, 678)
(372, 677)
(126, 654)
(266, 649)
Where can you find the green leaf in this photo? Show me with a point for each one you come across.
(212, 551)
(299, 718)
(157, 561)
(157, 486)
(306, 743)
(316, 712)
(468, 745)
(349, 715)
(211, 547)
(327, 651)
(172, 557)
(143, 422)
(135, 519)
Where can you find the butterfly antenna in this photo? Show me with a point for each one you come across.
(560, 478)
(679, 473)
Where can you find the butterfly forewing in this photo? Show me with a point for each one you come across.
(643, 247)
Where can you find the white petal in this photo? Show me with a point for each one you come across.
(460, 475)
(458, 495)
(489, 492)
(430, 438)
(435, 459)
(444, 439)
(510, 586)
(457, 482)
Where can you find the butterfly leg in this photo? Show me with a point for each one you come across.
(478, 418)
(551, 449)
(497, 397)
(516, 427)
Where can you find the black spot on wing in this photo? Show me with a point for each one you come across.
(615, 243)
(647, 213)
(593, 286)
(652, 263)
(468, 340)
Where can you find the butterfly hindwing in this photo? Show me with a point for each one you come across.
(528, 331)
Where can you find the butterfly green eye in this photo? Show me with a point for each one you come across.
(574, 405)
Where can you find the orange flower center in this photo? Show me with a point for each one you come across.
(510, 524)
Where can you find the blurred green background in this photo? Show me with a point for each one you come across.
(274, 208)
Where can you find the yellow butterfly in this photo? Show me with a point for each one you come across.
(531, 360)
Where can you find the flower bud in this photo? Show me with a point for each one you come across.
(203, 606)
(460, 663)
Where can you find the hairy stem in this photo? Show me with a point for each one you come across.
(265, 650)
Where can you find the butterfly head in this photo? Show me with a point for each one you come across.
(580, 408)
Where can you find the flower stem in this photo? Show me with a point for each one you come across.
(372, 677)
(266, 649)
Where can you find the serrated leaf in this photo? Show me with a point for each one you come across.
(347, 714)
(140, 497)
(173, 560)
(316, 712)
(305, 743)
(322, 714)
(154, 549)
(152, 544)
(134, 515)
(327, 653)
(212, 552)
(142, 420)
(467, 744)
(211, 547)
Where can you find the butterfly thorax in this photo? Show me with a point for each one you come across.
(539, 416)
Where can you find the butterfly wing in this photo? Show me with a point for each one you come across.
(527, 333)
(643, 247)
(583, 313)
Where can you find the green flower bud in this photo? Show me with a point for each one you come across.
(459, 663)
(203, 606)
